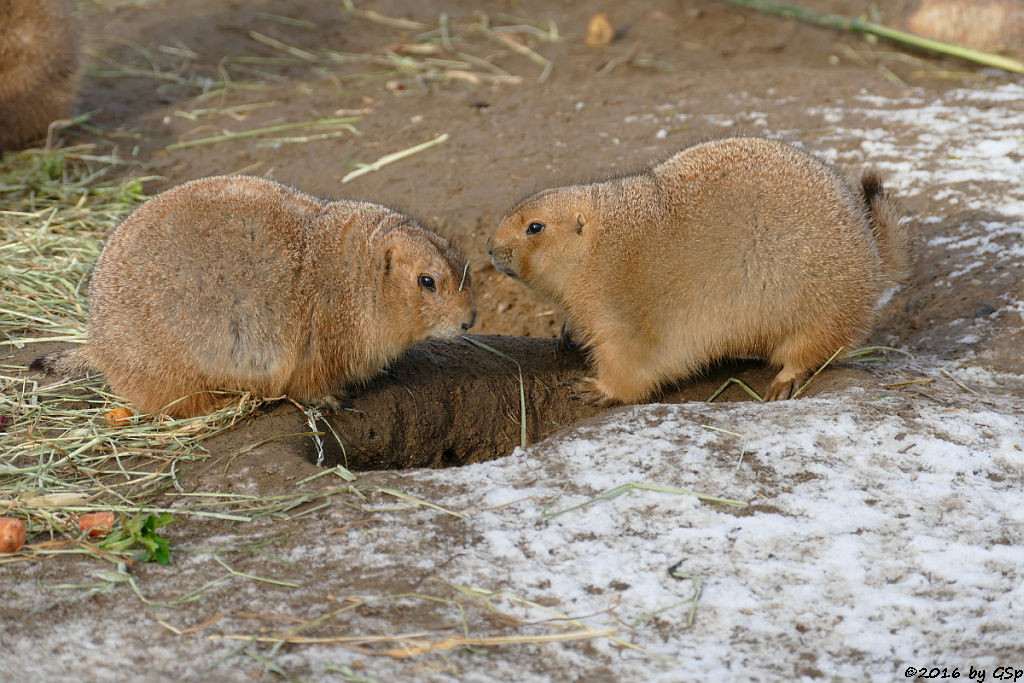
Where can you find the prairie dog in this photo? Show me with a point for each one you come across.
(241, 283)
(994, 25)
(38, 67)
(735, 247)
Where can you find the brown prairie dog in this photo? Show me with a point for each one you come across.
(735, 247)
(38, 67)
(240, 283)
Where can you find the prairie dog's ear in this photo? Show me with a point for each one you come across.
(581, 223)
(393, 244)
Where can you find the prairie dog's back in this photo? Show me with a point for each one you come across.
(211, 261)
(755, 227)
(759, 195)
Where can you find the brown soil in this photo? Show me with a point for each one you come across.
(446, 404)
(505, 141)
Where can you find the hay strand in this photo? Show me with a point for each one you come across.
(393, 157)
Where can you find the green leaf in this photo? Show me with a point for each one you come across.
(141, 531)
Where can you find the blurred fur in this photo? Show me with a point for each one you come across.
(39, 46)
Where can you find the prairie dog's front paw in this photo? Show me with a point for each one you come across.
(335, 402)
(785, 385)
(588, 390)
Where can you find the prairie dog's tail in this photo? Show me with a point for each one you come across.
(893, 235)
(66, 363)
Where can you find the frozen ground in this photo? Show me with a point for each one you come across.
(879, 538)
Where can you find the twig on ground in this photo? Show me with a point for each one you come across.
(393, 157)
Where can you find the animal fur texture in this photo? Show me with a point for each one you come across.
(240, 283)
(734, 247)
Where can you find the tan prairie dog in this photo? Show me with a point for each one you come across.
(241, 283)
(980, 24)
(735, 247)
(38, 67)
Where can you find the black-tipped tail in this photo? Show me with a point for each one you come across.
(872, 186)
(66, 363)
(893, 234)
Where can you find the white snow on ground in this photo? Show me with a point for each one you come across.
(964, 154)
(881, 535)
(878, 541)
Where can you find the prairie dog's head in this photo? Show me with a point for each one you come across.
(426, 285)
(542, 237)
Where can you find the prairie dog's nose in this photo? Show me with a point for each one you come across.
(490, 247)
(472, 320)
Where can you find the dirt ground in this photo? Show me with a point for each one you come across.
(677, 71)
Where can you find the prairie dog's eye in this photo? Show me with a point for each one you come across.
(534, 227)
(427, 283)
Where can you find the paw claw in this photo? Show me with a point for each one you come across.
(778, 392)
(566, 344)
